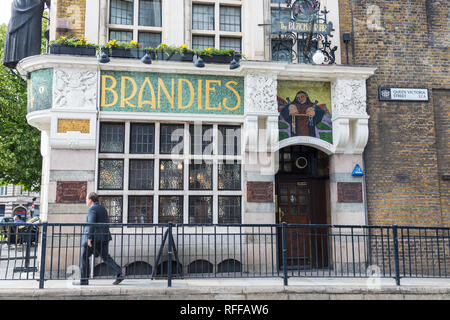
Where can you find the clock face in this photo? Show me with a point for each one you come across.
(301, 162)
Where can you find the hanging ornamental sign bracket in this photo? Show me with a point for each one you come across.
(301, 32)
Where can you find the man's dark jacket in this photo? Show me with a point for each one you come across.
(97, 234)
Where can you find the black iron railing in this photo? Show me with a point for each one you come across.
(49, 251)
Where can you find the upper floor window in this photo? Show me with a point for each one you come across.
(3, 190)
(217, 26)
(138, 20)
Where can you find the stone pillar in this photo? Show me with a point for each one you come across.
(347, 192)
(70, 170)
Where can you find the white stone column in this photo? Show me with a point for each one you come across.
(72, 140)
(347, 192)
(261, 126)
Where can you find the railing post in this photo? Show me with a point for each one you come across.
(284, 246)
(169, 261)
(43, 251)
(396, 256)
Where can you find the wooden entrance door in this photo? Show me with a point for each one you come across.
(294, 207)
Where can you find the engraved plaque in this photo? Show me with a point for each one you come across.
(71, 191)
(260, 191)
(350, 192)
(66, 125)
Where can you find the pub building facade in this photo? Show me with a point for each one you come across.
(275, 140)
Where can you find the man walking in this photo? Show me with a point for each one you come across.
(95, 240)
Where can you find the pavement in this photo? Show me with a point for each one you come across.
(233, 289)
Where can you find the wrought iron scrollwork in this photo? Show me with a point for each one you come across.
(300, 36)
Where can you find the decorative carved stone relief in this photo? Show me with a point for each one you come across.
(261, 94)
(75, 89)
(348, 97)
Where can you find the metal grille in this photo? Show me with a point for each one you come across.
(202, 42)
(142, 138)
(202, 17)
(171, 138)
(229, 176)
(140, 209)
(171, 175)
(150, 13)
(200, 209)
(230, 19)
(121, 36)
(282, 50)
(230, 209)
(201, 139)
(149, 39)
(112, 137)
(200, 176)
(114, 206)
(229, 140)
(231, 43)
(121, 12)
(141, 174)
(110, 174)
(170, 209)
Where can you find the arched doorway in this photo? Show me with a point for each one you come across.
(302, 194)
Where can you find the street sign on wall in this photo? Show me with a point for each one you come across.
(403, 94)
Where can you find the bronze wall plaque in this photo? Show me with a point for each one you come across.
(71, 191)
(259, 191)
(350, 192)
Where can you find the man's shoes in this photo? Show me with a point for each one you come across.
(119, 279)
(80, 283)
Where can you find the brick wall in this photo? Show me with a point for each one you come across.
(408, 144)
(70, 18)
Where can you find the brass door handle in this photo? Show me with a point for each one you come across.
(280, 214)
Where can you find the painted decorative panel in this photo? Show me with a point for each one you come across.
(40, 90)
(171, 93)
(305, 109)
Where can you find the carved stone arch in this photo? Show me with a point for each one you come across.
(319, 144)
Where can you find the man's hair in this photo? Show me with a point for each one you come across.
(93, 196)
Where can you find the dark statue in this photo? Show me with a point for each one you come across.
(23, 37)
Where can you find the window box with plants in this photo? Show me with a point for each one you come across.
(212, 55)
(170, 53)
(72, 46)
(132, 50)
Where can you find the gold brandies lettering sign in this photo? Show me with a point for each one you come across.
(171, 93)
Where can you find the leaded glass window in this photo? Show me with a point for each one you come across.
(110, 174)
(230, 19)
(201, 139)
(200, 176)
(229, 209)
(171, 138)
(150, 13)
(114, 207)
(142, 139)
(230, 43)
(121, 36)
(112, 137)
(140, 209)
(171, 175)
(202, 42)
(229, 140)
(202, 17)
(200, 209)
(170, 209)
(121, 12)
(149, 39)
(141, 174)
(229, 176)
